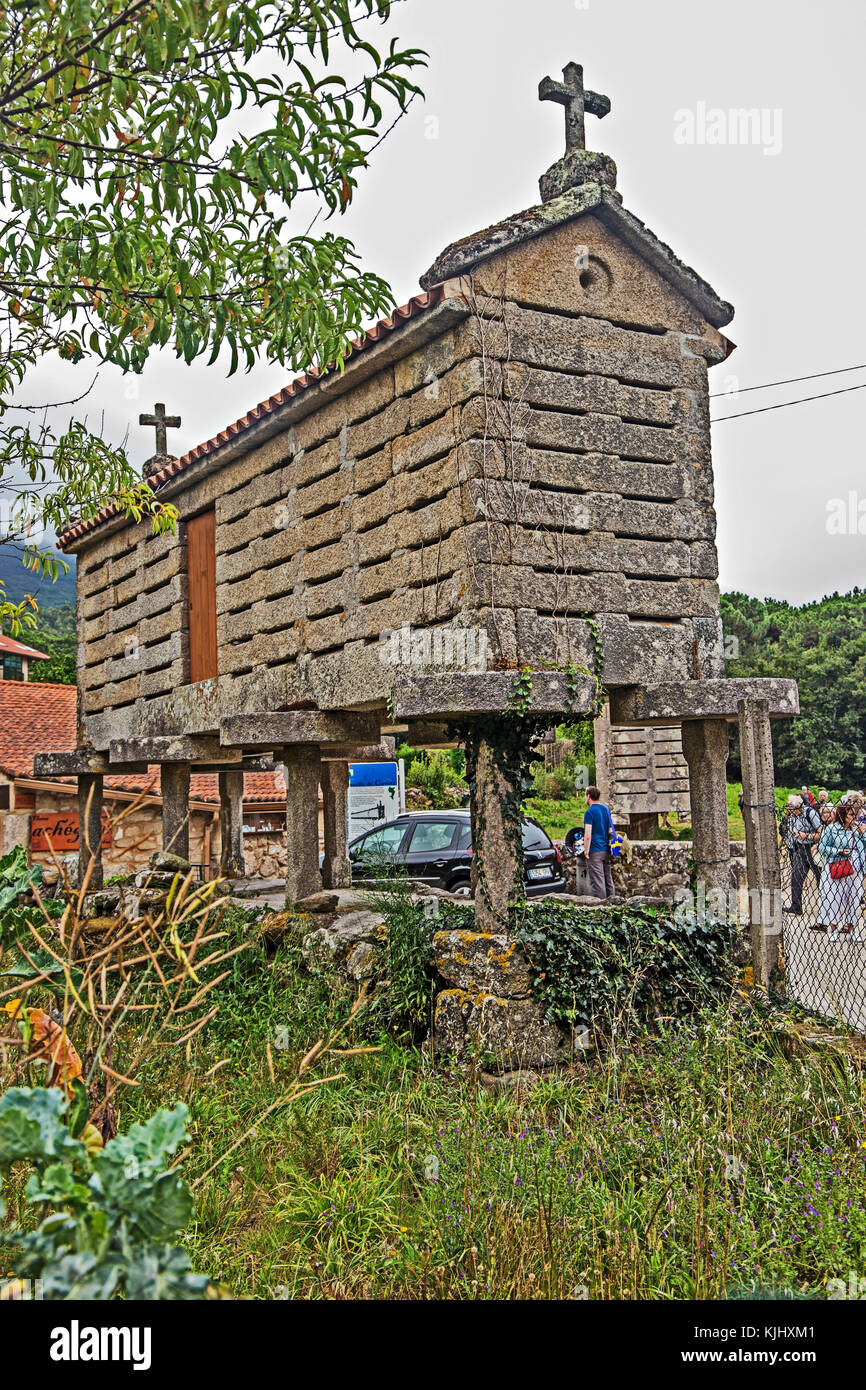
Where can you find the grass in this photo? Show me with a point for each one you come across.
(556, 817)
(689, 1165)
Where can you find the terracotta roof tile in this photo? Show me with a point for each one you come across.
(34, 716)
(417, 305)
(8, 644)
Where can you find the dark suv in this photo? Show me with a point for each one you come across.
(435, 847)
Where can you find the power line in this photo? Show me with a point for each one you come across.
(790, 381)
(783, 405)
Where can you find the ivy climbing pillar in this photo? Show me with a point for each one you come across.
(497, 836)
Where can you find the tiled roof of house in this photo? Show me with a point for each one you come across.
(35, 716)
(417, 305)
(13, 648)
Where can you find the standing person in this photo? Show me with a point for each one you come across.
(827, 884)
(840, 847)
(802, 830)
(597, 831)
(858, 859)
(808, 798)
(824, 800)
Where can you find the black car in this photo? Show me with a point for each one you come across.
(435, 847)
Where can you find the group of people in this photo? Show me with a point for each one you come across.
(829, 841)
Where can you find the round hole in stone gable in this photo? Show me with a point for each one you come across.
(595, 278)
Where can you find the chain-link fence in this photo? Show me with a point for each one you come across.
(824, 931)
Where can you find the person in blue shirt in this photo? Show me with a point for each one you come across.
(597, 830)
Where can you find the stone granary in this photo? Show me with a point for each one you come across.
(521, 452)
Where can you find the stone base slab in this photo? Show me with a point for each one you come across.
(513, 1031)
(477, 961)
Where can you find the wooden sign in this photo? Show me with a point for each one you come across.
(61, 829)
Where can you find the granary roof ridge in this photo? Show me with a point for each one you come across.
(417, 305)
(461, 256)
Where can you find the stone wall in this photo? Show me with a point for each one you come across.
(658, 868)
(265, 855)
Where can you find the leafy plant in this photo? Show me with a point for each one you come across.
(435, 774)
(108, 1215)
(152, 154)
(408, 993)
(17, 877)
(18, 880)
(46, 1042)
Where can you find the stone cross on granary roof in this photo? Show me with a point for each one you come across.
(570, 93)
(162, 422)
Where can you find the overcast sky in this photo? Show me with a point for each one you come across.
(779, 233)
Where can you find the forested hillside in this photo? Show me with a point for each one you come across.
(54, 635)
(823, 647)
(17, 580)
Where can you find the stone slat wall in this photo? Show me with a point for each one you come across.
(344, 526)
(597, 479)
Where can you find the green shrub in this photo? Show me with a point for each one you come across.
(559, 784)
(437, 775)
(616, 968)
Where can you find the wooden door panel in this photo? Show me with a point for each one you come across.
(201, 560)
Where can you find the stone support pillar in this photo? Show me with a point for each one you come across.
(705, 746)
(601, 733)
(335, 794)
(497, 839)
(303, 771)
(762, 841)
(231, 786)
(174, 785)
(90, 829)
